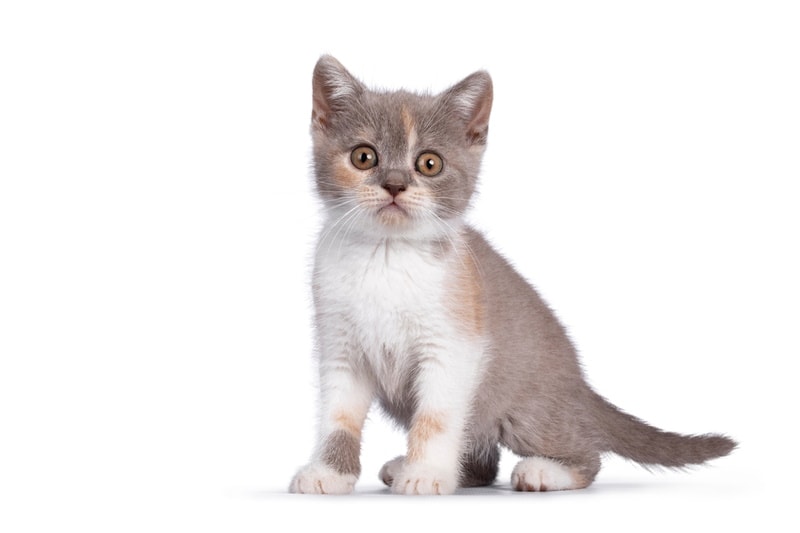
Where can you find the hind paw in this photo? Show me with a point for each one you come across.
(391, 469)
(539, 474)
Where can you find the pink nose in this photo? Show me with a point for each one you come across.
(394, 188)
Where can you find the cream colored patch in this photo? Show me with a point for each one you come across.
(409, 126)
(465, 295)
(425, 427)
(346, 176)
(348, 423)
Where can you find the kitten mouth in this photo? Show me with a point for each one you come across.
(394, 208)
(393, 213)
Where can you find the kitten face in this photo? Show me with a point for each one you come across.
(396, 163)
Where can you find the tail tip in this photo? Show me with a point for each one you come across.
(708, 447)
(721, 445)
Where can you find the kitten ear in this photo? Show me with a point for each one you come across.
(333, 87)
(471, 99)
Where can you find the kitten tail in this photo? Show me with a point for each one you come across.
(629, 437)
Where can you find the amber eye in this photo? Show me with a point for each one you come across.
(364, 158)
(429, 164)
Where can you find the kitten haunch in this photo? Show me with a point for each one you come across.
(416, 311)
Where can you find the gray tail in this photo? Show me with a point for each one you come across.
(629, 437)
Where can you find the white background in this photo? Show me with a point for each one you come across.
(157, 217)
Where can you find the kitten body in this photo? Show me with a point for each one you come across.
(415, 310)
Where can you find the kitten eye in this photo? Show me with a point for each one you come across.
(364, 158)
(429, 164)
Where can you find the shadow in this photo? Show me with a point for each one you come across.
(600, 487)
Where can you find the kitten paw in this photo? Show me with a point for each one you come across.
(391, 469)
(321, 479)
(422, 479)
(539, 474)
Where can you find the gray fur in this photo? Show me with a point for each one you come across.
(341, 452)
(533, 398)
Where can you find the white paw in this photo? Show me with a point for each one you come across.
(391, 469)
(538, 474)
(424, 479)
(318, 478)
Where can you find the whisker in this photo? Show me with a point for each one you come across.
(344, 229)
(348, 227)
(327, 232)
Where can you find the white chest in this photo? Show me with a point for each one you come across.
(390, 294)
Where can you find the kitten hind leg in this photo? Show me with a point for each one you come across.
(390, 469)
(479, 466)
(539, 474)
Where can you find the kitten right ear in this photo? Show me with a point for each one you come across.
(471, 100)
(333, 87)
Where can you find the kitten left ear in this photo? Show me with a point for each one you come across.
(333, 87)
(471, 99)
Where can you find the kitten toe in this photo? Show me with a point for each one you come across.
(423, 480)
(321, 479)
(539, 474)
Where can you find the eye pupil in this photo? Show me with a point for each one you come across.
(364, 158)
(430, 164)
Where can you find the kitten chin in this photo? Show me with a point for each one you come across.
(416, 311)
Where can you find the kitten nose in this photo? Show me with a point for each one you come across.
(394, 188)
(395, 182)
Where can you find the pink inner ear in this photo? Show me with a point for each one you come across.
(318, 117)
(331, 84)
(320, 107)
(478, 128)
(473, 98)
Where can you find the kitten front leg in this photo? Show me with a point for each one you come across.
(444, 392)
(345, 400)
(431, 466)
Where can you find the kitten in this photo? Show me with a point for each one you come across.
(414, 309)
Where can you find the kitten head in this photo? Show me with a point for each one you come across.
(396, 163)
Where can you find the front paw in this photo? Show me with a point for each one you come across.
(424, 479)
(318, 478)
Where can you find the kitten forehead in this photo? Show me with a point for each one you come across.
(401, 106)
(395, 122)
(414, 117)
(409, 127)
(408, 121)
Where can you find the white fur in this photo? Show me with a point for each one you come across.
(383, 303)
(540, 474)
(424, 479)
(317, 478)
(391, 293)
